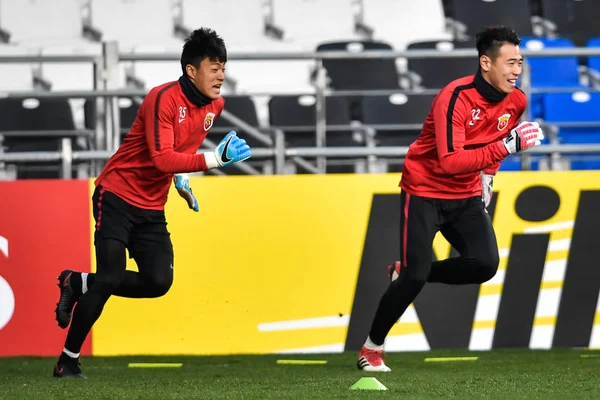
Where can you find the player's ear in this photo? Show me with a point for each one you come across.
(191, 71)
(485, 63)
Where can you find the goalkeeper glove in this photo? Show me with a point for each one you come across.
(182, 184)
(230, 150)
(524, 136)
(487, 190)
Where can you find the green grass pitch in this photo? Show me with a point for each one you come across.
(499, 374)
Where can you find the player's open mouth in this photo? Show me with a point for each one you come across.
(513, 82)
(216, 89)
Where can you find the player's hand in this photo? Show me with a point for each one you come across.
(525, 135)
(232, 149)
(182, 184)
(487, 189)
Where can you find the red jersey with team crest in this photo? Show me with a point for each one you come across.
(460, 138)
(162, 141)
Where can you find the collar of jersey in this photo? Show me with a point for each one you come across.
(192, 93)
(489, 92)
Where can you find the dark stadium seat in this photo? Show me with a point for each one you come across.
(244, 108)
(36, 115)
(437, 73)
(396, 109)
(128, 108)
(576, 20)
(475, 14)
(360, 73)
(299, 112)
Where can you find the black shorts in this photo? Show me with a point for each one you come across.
(144, 232)
(464, 223)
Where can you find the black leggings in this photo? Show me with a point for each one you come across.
(120, 227)
(467, 227)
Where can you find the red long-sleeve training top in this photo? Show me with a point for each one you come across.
(461, 137)
(163, 140)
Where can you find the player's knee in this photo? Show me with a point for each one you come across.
(161, 284)
(418, 275)
(487, 267)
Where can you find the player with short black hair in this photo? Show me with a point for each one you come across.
(446, 184)
(131, 192)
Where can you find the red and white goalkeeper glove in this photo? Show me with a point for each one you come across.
(524, 136)
(487, 188)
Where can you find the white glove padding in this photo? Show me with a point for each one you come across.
(487, 189)
(525, 135)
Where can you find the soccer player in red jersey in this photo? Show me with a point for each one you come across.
(131, 192)
(446, 184)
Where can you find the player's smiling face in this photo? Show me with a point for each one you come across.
(208, 78)
(503, 71)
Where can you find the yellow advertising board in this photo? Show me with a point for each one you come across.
(275, 263)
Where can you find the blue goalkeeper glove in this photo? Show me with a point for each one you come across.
(182, 184)
(230, 150)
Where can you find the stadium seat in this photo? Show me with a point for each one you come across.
(299, 111)
(576, 107)
(242, 107)
(437, 73)
(549, 71)
(155, 73)
(513, 163)
(593, 62)
(397, 109)
(474, 14)
(400, 22)
(243, 29)
(55, 21)
(15, 76)
(35, 115)
(576, 20)
(270, 76)
(61, 76)
(128, 109)
(306, 23)
(133, 22)
(360, 73)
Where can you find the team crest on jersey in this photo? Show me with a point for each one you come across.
(503, 121)
(208, 121)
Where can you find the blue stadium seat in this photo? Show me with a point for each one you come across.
(513, 163)
(576, 107)
(594, 61)
(550, 71)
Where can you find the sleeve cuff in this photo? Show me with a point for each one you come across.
(211, 160)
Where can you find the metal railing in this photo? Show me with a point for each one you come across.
(106, 136)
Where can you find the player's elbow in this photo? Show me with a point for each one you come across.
(161, 163)
(450, 166)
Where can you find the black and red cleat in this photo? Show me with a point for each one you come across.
(67, 300)
(68, 368)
